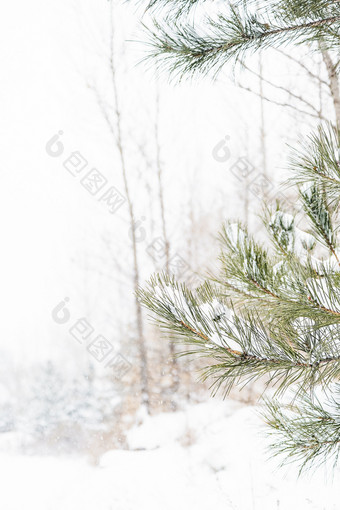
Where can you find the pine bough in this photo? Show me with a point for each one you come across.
(274, 311)
(222, 31)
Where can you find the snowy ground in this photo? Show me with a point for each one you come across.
(209, 457)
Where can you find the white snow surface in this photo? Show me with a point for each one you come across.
(211, 456)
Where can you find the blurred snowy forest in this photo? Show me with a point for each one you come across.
(110, 173)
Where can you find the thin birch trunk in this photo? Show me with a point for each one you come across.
(262, 120)
(174, 362)
(136, 273)
(333, 82)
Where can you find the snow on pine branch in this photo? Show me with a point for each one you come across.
(307, 431)
(242, 346)
(325, 292)
(186, 47)
(288, 237)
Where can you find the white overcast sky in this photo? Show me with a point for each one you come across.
(51, 228)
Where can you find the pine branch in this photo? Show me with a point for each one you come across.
(277, 293)
(182, 49)
(279, 289)
(243, 347)
(319, 213)
(318, 162)
(308, 432)
(296, 8)
(271, 311)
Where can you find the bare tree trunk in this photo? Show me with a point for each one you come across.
(174, 362)
(320, 94)
(136, 277)
(262, 125)
(160, 185)
(262, 120)
(333, 82)
(246, 189)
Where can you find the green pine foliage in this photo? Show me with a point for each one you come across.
(273, 309)
(229, 30)
(307, 431)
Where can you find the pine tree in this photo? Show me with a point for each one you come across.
(274, 309)
(185, 48)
